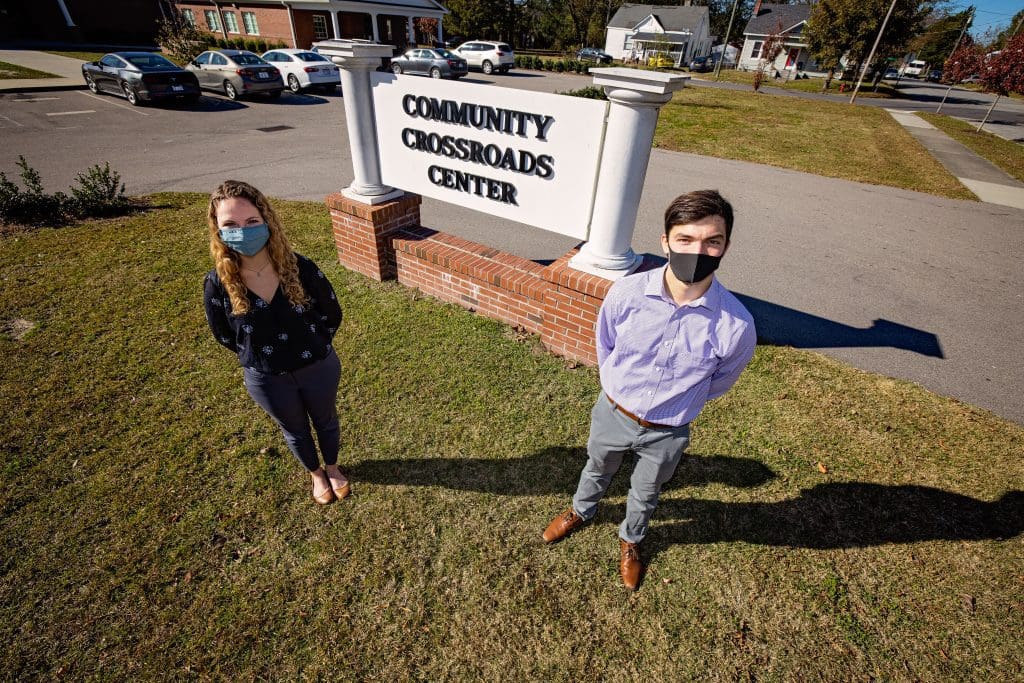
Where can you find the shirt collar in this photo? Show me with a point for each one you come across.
(656, 288)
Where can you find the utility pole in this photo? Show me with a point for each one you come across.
(871, 56)
(725, 43)
(970, 18)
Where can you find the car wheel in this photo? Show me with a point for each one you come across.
(192, 99)
(397, 68)
(91, 84)
(230, 91)
(293, 84)
(504, 69)
(487, 67)
(130, 95)
(274, 94)
(435, 73)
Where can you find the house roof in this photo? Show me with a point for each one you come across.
(671, 17)
(767, 20)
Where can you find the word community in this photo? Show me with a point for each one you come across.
(481, 117)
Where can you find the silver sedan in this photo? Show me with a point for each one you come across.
(433, 62)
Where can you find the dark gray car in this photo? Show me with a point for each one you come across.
(236, 73)
(433, 62)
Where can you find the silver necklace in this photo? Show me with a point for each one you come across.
(259, 272)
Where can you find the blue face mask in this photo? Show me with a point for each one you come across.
(248, 240)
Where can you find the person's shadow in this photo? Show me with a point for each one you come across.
(831, 515)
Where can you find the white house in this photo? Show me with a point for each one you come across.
(788, 21)
(638, 31)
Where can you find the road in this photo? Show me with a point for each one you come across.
(891, 281)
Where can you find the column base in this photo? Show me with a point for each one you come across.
(583, 262)
(372, 199)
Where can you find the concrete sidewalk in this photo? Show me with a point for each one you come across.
(990, 183)
(67, 71)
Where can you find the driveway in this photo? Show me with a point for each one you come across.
(902, 283)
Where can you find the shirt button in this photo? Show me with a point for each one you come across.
(649, 393)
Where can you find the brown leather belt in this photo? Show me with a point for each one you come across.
(643, 423)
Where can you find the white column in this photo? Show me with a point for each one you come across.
(376, 31)
(636, 96)
(356, 61)
(440, 32)
(411, 28)
(334, 24)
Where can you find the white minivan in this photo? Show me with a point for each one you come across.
(915, 69)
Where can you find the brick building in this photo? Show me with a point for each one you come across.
(98, 22)
(300, 24)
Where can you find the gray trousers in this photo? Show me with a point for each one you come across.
(658, 452)
(295, 398)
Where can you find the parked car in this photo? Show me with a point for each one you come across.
(659, 60)
(450, 42)
(935, 75)
(702, 64)
(891, 75)
(236, 73)
(140, 77)
(487, 56)
(434, 62)
(592, 54)
(303, 69)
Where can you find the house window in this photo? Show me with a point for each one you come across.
(755, 53)
(231, 21)
(320, 27)
(189, 17)
(251, 27)
(211, 20)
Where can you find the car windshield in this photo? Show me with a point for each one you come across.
(246, 59)
(150, 62)
(311, 57)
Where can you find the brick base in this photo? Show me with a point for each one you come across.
(556, 302)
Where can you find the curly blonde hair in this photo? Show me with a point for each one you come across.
(227, 261)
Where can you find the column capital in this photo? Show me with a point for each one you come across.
(356, 55)
(654, 83)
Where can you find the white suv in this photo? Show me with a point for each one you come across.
(487, 56)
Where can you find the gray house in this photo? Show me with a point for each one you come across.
(787, 20)
(640, 32)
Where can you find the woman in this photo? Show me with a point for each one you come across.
(277, 311)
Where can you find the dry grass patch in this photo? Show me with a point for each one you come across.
(825, 138)
(12, 71)
(154, 525)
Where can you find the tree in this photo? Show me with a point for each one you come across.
(967, 61)
(1003, 73)
(849, 27)
(770, 50)
(1013, 28)
(936, 42)
(180, 40)
(426, 30)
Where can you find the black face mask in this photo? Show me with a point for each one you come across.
(691, 268)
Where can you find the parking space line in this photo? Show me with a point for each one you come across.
(7, 118)
(70, 113)
(112, 103)
(36, 99)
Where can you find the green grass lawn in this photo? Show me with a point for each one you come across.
(829, 524)
(826, 138)
(11, 71)
(812, 85)
(85, 56)
(1007, 155)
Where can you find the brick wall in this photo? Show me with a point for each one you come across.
(557, 302)
(272, 21)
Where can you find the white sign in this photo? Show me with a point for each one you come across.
(526, 156)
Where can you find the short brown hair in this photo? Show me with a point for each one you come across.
(693, 206)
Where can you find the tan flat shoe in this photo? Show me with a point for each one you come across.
(342, 491)
(325, 498)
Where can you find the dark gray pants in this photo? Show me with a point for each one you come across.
(294, 399)
(658, 452)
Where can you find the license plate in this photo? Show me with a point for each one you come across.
(177, 88)
(263, 75)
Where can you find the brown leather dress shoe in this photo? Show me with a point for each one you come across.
(562, 525)
(630, 566)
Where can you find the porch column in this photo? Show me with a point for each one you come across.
(440, 32)
(334, 25)
(410, 28)
(356, 61)
(376, 31)
(636, 96)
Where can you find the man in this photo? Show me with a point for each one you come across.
(668, 341)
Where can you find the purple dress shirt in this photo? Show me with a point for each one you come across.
(663, 361)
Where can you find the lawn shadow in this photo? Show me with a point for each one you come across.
(554, 470)
(841, 515)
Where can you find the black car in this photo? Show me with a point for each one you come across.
(701, 64)
(592, 54)
(140, 77)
